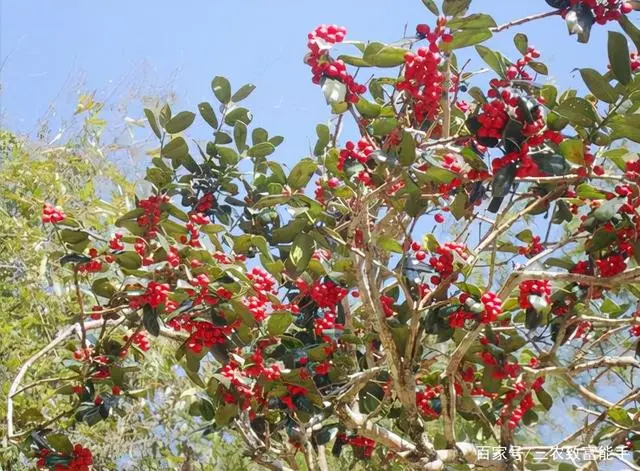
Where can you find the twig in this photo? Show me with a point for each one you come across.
(527, 19)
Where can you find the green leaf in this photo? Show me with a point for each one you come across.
(286, 233)
(619, 57)
(354, 61)
(221, 89)
(165, 114)
(324, 137)
(503, 181)
(207, 113)
(437, 174)
(493, 59)
(228, 155)
(559, 262)
(368, 109)
(129, 260)
(383, 126)
(489, 383)
(73, 237)
(238, 114)
(240, 135)
(455, 7)
(551, 164)
(103, 287)
(243, 93)
(525, 236)
(431, 6)
(407, 152)
(152, 122)
(278, 322)
(467, 37)
(176, 148)
(225, 413)
(271, 200)
(276, 140)
(301, 173)
(475, 21)
(584, 190)
(620, 416)
(381, 55)
(539, 67)
(60, 443)
(522, 43)
(577, 110)
(261, 150)
(390, 244)
(259, 135)
(180, 122)
(573, 150)
(300, 254)
(625, 127)
(631, 30)
(150, 320)
(459, 205)
(598, 85)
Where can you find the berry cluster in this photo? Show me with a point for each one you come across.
(424, 398)
(241, 385)
(611, 265)
(443, 261)
(257, 307)
(115, 243)
(262, 283)
(635, 329)
(423, 79)
(173, 256)
(151, 217)
(359, 152)
(80, 459)
(140, 340)
(326, 294)
(526, 403)
(326, 322)
(364, 445)
(541, 288)
(293, 391)
(501, 369)
(155, 294)
(533, 249)
(320, 41)
(141, 246)
(202, 295)
(492, 307)
(605, 10)
(455, 163)
(387, 305)
(203, 333)
(257, 368)
(205, 203)
(493, 119)
(92, 266)
(634, 59)
(51, 214)
(517, 70)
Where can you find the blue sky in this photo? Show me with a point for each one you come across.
(53, 50)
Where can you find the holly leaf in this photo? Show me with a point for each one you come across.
(598, 85)
(619, 57)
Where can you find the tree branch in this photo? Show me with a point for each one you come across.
(527, 19)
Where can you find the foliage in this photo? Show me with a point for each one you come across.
(351, 320)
